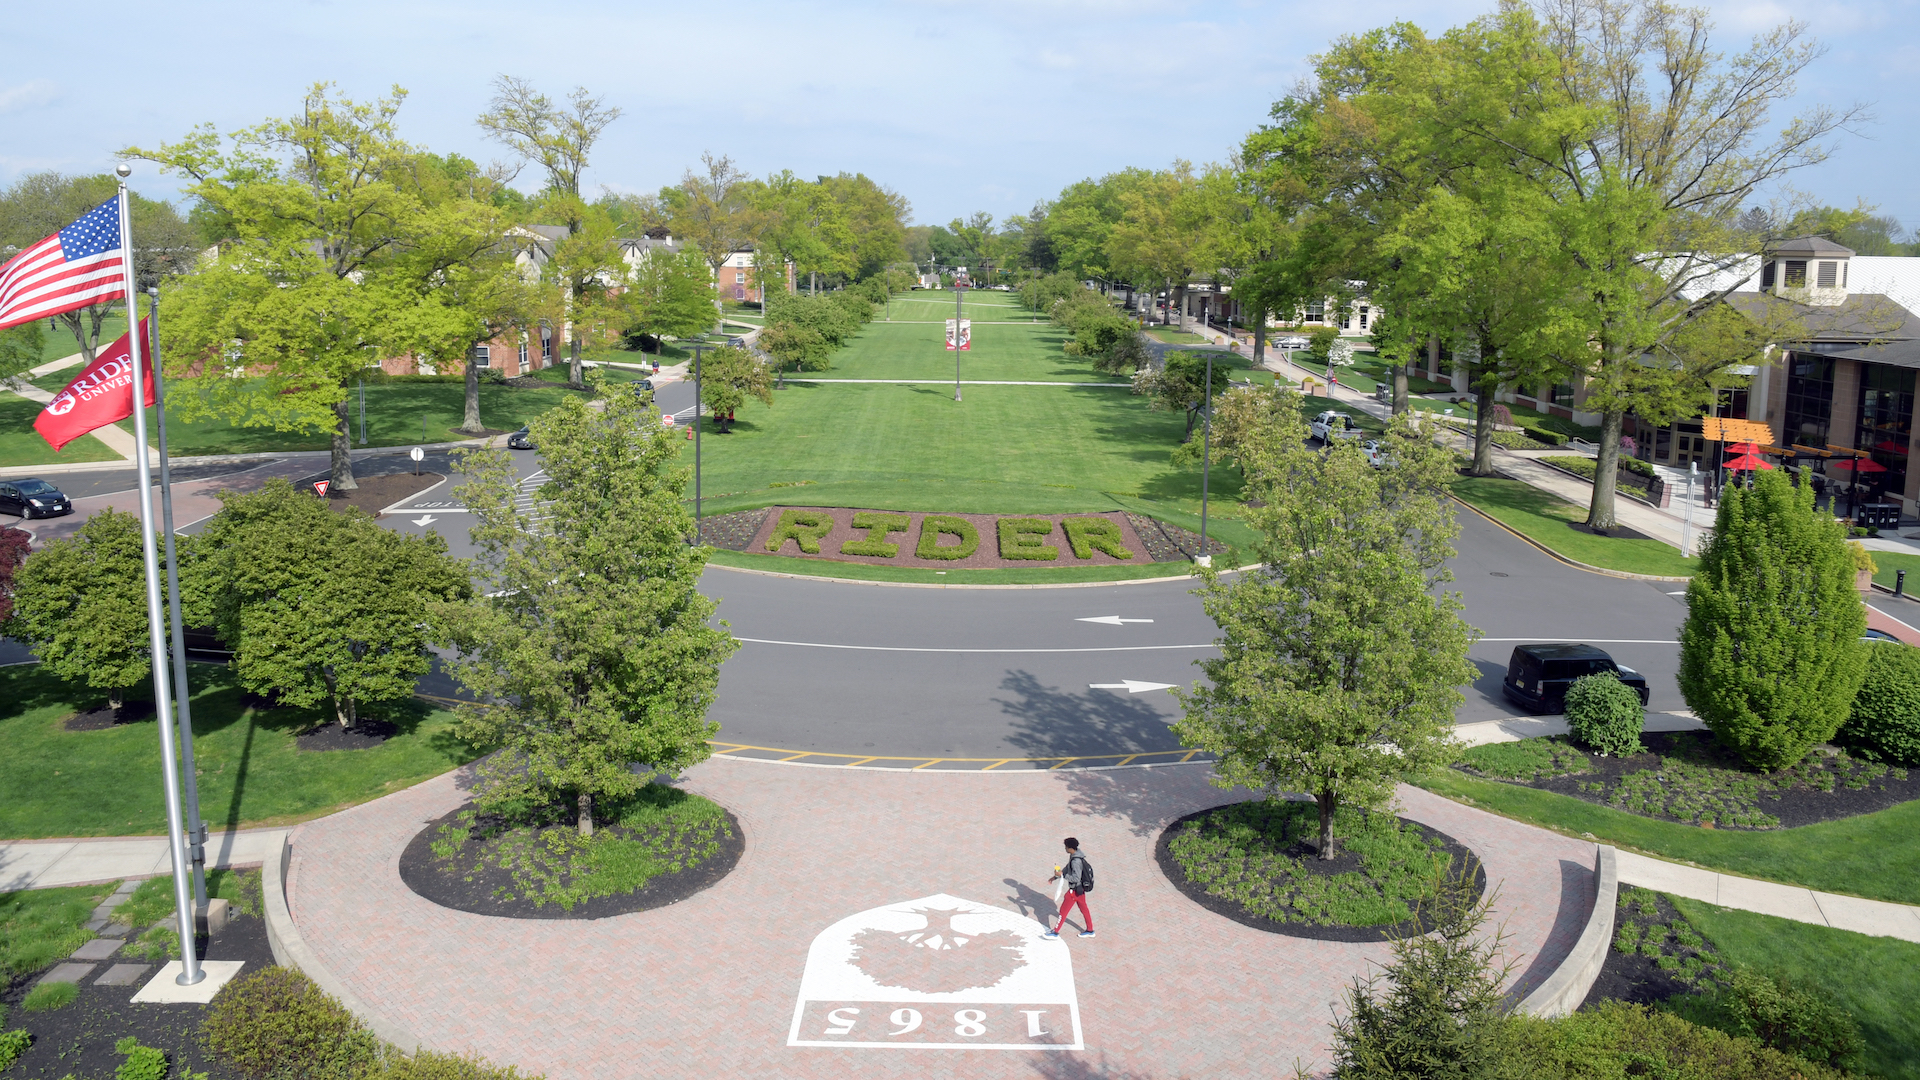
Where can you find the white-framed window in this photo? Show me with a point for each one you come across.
(740, 277)
(523, 354)
(1829, 274)
(481, 355)
(546, 350)
(1316, 312)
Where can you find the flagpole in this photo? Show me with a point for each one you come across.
(190, 972)
(183, 690)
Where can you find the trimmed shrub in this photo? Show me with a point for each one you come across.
(1791, 1018)
(429, 1065)
(1617, 1039)
(879, 527)
(12, 1045)
(803, 527)
(1605, 715)
(934, 526)
(1885, 722)
(277, 1023)
(1085, 534)
(1540, 434)
(1770, 654)
(1017, 539)
(143, 1062)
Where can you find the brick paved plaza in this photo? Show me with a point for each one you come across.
(708, 986)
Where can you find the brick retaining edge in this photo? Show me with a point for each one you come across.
(290, 949)
(1569, 984)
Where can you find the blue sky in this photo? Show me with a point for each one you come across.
(985, 105)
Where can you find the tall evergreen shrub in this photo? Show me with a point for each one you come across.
(1770, 654)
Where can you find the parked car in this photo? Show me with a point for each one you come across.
(1880, 635)
(520, 440)
(1293, 342)
(1538, 675)
(32, 498)
(1333, 425)
(1376, 454)
(642, 387)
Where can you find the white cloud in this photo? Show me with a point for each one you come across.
(27, 95)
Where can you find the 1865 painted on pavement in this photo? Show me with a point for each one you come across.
(937, 973)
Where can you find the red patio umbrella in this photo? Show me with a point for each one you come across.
(1864, 465)
(1743, 448)
(1745, 463)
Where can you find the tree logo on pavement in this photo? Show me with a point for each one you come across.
(937, 973)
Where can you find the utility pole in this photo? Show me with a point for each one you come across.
(956, 341)
(697, 535)
(1206, 462)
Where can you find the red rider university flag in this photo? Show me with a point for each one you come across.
(101, 395)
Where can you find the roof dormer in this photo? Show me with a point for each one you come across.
(1810, 269)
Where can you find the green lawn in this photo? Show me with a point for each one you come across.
(1872, 855)
(21, 445)
(59, 344)
(1887, 564)
(107, 783)
(978, 307)
(1370, 371)
(1876, 979)
(39, 926)
(1176, 337)
(1550, 520)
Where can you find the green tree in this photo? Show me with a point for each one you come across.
(320, 607)
(559, 137)
(80, 604)
(713, 210)
(1341, 660)
(1884, 724)
(300, 302)
(1181, 383)
(595, 653)
(727, 378)
(21, 348)
(1770, 654)
(669, 295)
(1157, 241)
(794, 346)
(875, 217)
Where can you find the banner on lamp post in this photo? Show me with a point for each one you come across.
(960, 335)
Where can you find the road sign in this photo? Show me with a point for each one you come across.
(667, 419)
(320, 487)
(417, 454)
(1725, 429)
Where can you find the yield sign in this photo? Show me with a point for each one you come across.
(320, 486)
(1131, 686)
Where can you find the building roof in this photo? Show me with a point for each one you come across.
(1818, 246)
(1866, 326)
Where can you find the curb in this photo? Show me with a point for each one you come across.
(1570, 983)
(961, 585)
(290, 950)
(1575, 563)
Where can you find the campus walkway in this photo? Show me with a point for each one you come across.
(45, 864)
(116, 438)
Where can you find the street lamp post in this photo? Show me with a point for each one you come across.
(698, 536)
(1206, 463)
(956, 340)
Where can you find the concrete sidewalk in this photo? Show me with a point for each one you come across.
(45, 864)
(1876, 917)
(116, 438)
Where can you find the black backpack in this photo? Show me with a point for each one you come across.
(1085, 884)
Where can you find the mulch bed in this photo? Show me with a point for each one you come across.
(102, 718)
(427, 876)
(365, 735)
(77, 1039)
(1305, 854)
(986, 556)
(376, 493)
(1640, 978)
(1799, 804)
(1171, 543)
(735, 531)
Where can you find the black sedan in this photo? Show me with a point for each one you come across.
(31, 498)
(520, 440)
(1538, 675)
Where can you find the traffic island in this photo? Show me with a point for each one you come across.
(1258, 864)
(951, 541)
(657, 849)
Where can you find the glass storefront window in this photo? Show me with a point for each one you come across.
(1884, 427)
(1809, 407)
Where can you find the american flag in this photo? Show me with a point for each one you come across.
(79, 265)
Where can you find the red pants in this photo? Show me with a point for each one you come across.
(1066, 904)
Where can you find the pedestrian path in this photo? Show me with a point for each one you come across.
(1876, 917)
(116, 438)
(45, 864)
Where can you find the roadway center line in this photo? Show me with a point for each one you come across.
(904, 648)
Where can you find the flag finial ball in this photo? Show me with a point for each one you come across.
(123, 170)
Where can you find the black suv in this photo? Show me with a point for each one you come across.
(1538, 675)
(32, 498)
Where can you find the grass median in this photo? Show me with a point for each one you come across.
(1872, 855)
(251, 772)
(21, 445)
(1555, 524)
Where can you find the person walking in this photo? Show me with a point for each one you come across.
(1078, 874)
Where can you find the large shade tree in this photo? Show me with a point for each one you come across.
(80, 604)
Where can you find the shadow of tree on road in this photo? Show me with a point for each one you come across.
(1049, 722)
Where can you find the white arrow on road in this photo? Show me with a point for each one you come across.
(428, 520)
(1111, 620)
(1131, 686)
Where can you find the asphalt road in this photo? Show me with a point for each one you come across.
(915, 675)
